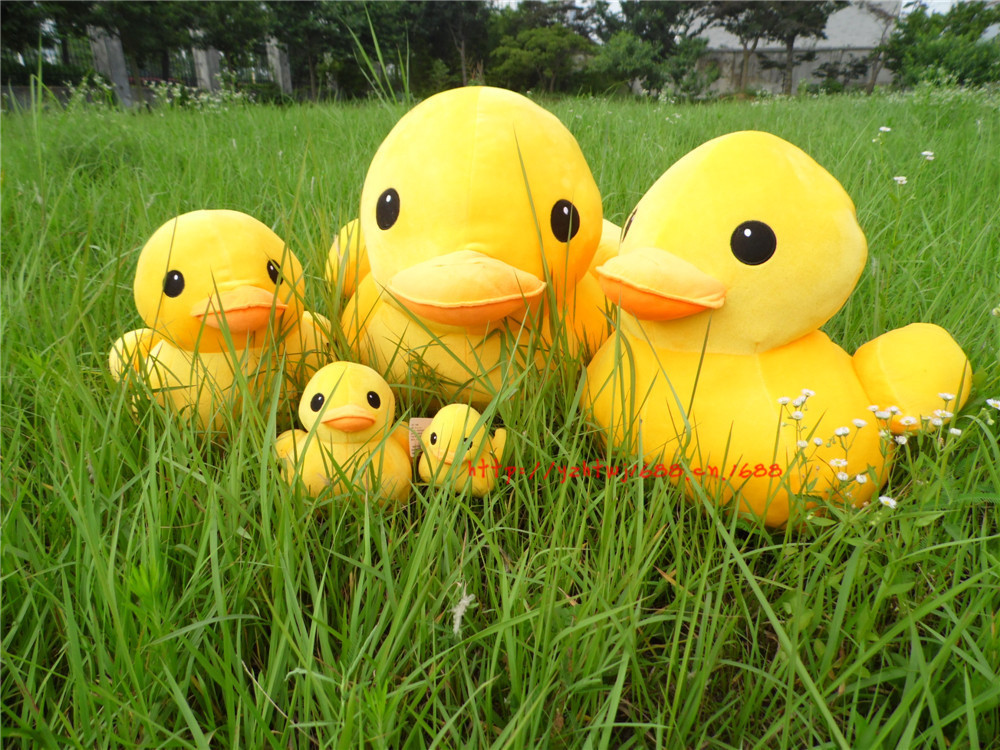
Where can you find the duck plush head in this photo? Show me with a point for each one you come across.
(475, 200)
(348, 442)
(214, 279)
(747, 231)
(458, 451)
(347, 403)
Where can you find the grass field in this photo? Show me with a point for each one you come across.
(159, 591)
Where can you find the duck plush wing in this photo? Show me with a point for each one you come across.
(307, 347)
(131, 350)
(347, 263)
(910, 368)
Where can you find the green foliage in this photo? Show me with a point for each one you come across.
(624, 58)
(945, 47)
(543, 57)
(163, 590)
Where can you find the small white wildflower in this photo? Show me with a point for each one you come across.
(908, 421)
(882, 414)
(895, 410)
(885, 129)
(937, 421)
(861, 478)
(838, 463)
(859, 423)
(458, 611)
(994, 402)
(799, 401)
(955, 431)
(873, 408)
(943, 413)
(784, 400)
(946, 396)
(884, 434)
(887, 501)
(928, 155)
(901, 439)
(842, 431)
(803, 444)
(874, 140)
(843, 476)
(817, 441)
(995, 312)
(900, 179)
(796, 415)
(808, 393)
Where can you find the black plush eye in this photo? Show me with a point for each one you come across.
(272, 271)
(434, 438)
(628, 224)
(753, 242)
(565, 221)
(317, 402)
(387, 209)
(373, 400)
(173, 283)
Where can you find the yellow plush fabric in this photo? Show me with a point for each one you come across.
(478, 210)
(458, 452)
(221, 295)
(347, 411)
(727, 268)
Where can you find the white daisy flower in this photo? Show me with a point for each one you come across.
(887, 501)
(955, 431)
(928, 155)
(885, 129)
(947, 396)
(842, 431)
(861, 478)
(817, 441)
(859, 423)
(797, 415)
(883, 415)
(994, 402)
(901, 439)
(900, 179)
(803, 444)
(784, 400)
(808, 393)
(838, 463)
(909, 421)
(843, 476)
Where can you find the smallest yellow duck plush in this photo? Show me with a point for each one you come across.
(458, 451)
(348, 411)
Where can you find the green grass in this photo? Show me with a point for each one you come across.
(161, 591)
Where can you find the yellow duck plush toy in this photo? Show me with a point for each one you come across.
(457, 451)
(477, 209)
(221, 294)
(728, 267)
(348, 411)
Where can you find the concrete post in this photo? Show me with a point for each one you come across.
(207, 68)
(109, 61)
(281, 72)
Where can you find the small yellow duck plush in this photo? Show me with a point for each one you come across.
(457, 451)
(222, 296)
(349, 442)
(478, 210)
(727, 268)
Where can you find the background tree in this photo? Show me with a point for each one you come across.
(787, 22)
(545, 57)
(945, 46)
(747, 21)
(625, 58)
(237, 29)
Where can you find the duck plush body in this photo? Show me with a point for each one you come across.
(459, 452)
(479, 216)
(348, 411)
(727, 268)
(222, 296)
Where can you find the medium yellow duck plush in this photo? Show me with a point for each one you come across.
(222, 296)
(477, 211)
(727, 268)
(349, 442)
(458, 451)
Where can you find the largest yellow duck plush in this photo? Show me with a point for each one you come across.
(478, 211)
(727, 268)
(222, 296)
